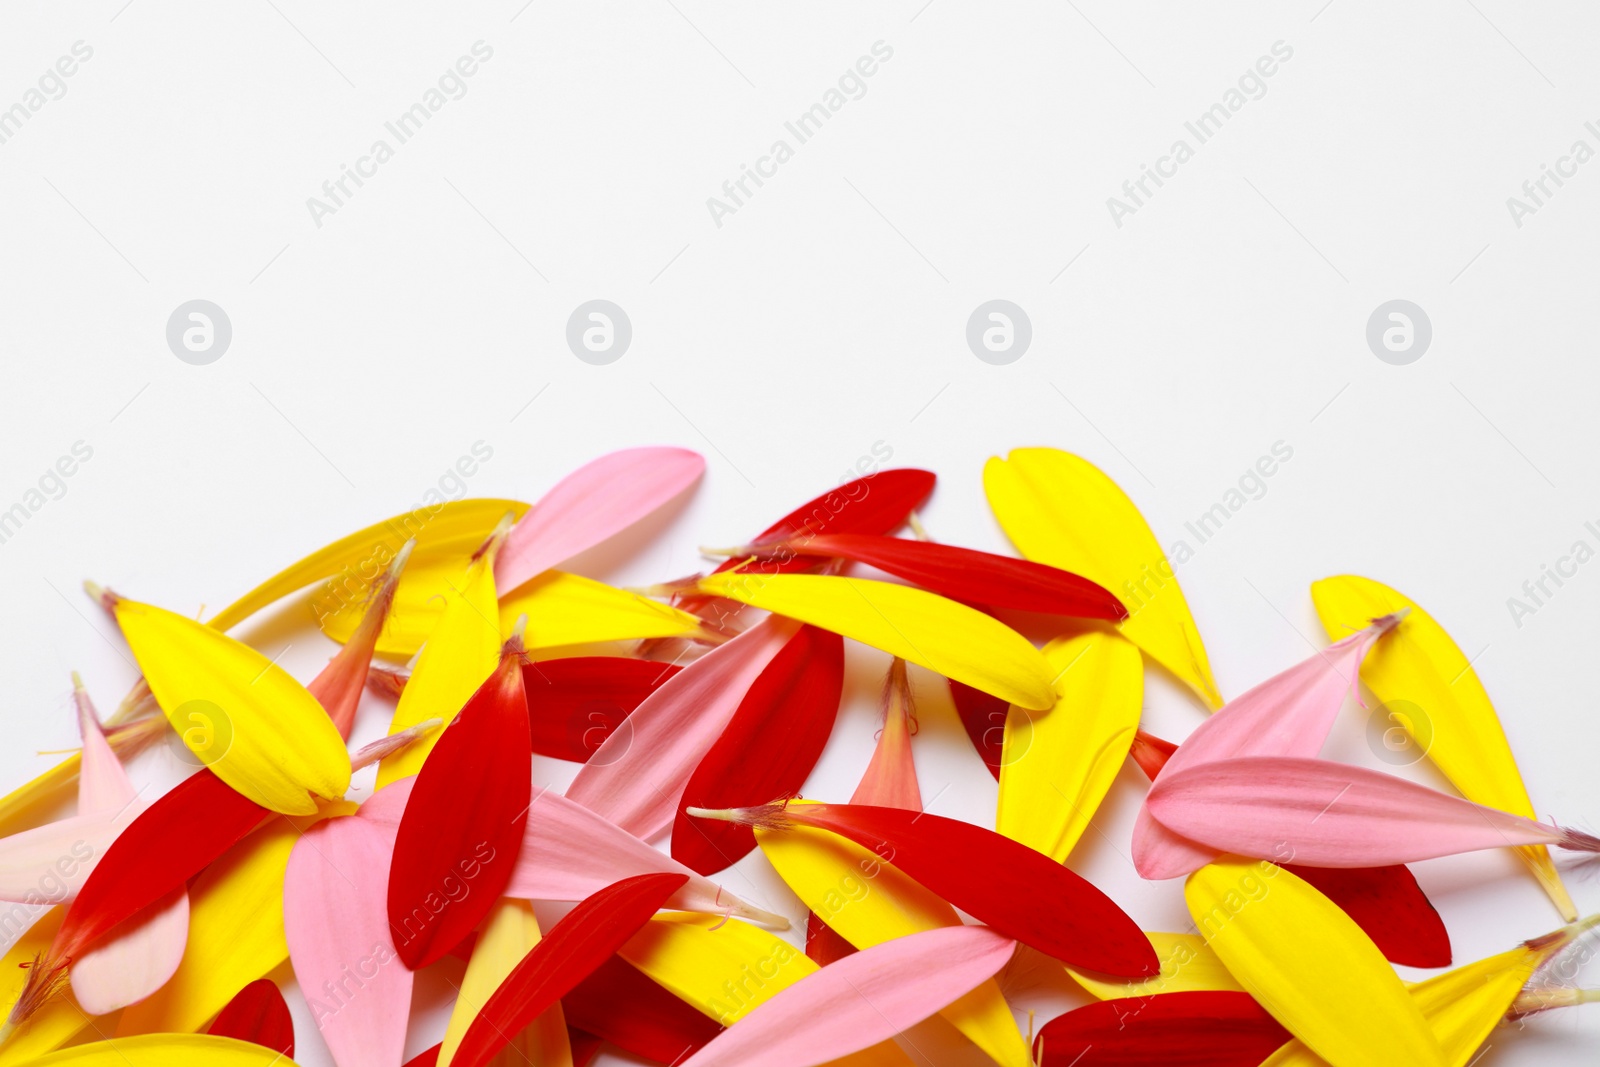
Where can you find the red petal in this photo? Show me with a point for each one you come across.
(257, 1014)
(173, 840)
(984, 716)
(1386, 902)
(617, 1003)
(767, 750)
(876, 504)
(574, 704)
(462, 828)
(970, 576)
(1023, 894)
(572, 950)
(429, 1058)
(823, 943)
(583, 1046)
(1199, 1029)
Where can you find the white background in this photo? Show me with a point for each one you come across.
(826, 315)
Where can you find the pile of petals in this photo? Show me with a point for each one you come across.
(151, 930)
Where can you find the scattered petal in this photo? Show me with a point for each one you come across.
(257, 1013)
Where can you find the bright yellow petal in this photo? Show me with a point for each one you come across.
(1060, 509)
(508, 934)
(1057, 765)
(921, 627)
(235, 934)
(32, 804)
(166, 1050)
(1463, 1006)
(868, 902)
(1310, 965)
(725, 969)
(53, 1025)
(462, 651)
(1187, 965)
(242, 714)
(1418, 663)
(351, 564)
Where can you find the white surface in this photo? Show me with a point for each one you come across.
(824, 316)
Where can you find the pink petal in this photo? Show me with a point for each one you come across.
(634, 779)
(137, 960)
(1289, 714)
(50, 863)
(593, 503)
(863, 999)
(569, 853)
(335, 917)
(1319, 813)
(103, 785)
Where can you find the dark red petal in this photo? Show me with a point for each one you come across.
(970, 576)
(257, 1014)
(767, 751)
(584, 1047)
(1389, 905)
(462, 829)
(997, 881)
(876, 504)
(573, 949)
(574, 704)
(984, 716)
(823, 943)
(1198, 1029)
(619, 1004)
(173, 840)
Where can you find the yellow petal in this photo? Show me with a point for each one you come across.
(1187, 965)
(1057, 765)
(1060, 509)
(921, 627)
(868, 902)
(1310, 965)
(235, 934)
(462, 651)
(1462, 1006)
(508, 934)
(166, 1050)
(351, 564)
(1418, 663)
(31, 804)
(256, 727)
(60, 1020)
(724, 969)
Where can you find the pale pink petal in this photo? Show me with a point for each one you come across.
(593, 503)
(569, 852)
(860, 1000)
(103, 785)
(335, 916)
(634, 779)
(1289, 714)
(1318, 813)
(50, 863)
(135, 962)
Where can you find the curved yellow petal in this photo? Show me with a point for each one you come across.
(724, 969)
(1420, 664)
(462, 651)
(353, 563)
(32, 803)
(868, 902)
(1060, 509)
(1462, 1006)
(508, 934)
(256, 727)
(1187, 965)
(1057, 765)
(166, 1050)
(235, 934)
(1310, 965)
(921, 627)
(60, 1020)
